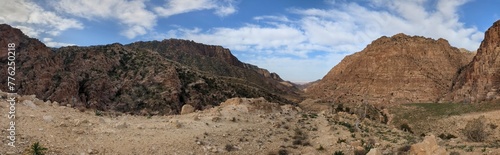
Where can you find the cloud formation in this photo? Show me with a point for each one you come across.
(172, 7)
(34, 20)
(137, 19)
(327, 35)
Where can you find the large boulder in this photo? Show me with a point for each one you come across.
(428, 146)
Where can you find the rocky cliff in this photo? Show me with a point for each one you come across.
(215, 60)
(132, 79)
(480, 79)
(397, 69)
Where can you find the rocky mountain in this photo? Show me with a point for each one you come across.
(133, 78)
(480, 79)
(397, 69)
(216, 60)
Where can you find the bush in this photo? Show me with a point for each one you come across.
(360, 152)
(405, 127)
(338, 153)
(475, 130)
(283, 152)
(405, 148)
(454, 153)
(447, 136)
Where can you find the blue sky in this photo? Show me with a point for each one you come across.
(298, 39)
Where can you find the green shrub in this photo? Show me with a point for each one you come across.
(37, 149)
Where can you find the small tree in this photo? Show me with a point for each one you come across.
(475, 130)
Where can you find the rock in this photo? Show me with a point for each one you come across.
(428, 146)
(480, 79)
(418, 69)
(62, 124)
(92, 151)
(30, 104)
(186, 109)
(48, 118)
(374, 151)
(121, 125)
(356, 144)
(78, 131)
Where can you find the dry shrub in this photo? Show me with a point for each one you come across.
(475, 130)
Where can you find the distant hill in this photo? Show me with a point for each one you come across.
(140, 78)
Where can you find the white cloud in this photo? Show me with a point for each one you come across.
(173, 7)
(50, 43)
(345, 28)
(137, 19)
(33, 20)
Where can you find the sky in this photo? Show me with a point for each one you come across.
(301, 40)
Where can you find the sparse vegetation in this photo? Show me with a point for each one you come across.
(282, 152)
(340, 140)
(338, 153)
(475, 130)
(300, 138)
(405, 127)
(360, 152)
(229, 148)
(37, 149)
(447, 136)
(405, 148)
(454, 153)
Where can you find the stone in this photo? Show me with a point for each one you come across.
(30, 104)
(121, 125)
(374, 151)
(428, 146)
(48, 118)
(186, 109)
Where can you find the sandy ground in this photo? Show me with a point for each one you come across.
(238, 126)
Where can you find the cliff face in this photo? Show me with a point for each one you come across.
(132, 79)
(397, 69)
(480, 79)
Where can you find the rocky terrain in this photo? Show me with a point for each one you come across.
(480, 79)
(145, 81)
(181, 97)
(397, 69)
(237, 126)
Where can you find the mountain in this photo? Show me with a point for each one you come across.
(216, 60)
(134, 78)
(480, 79)
(397, 69)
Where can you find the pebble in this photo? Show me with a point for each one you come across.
(48, 118)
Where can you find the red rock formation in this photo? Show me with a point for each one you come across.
(480, 79)
(397, 69)
(130, 79)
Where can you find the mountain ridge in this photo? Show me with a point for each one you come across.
(122, 78)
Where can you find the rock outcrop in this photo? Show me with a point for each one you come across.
(397, 69)
(132, 79)
(428, 147)
(480, 79)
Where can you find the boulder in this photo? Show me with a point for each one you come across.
(186, 109)
(428, 146)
